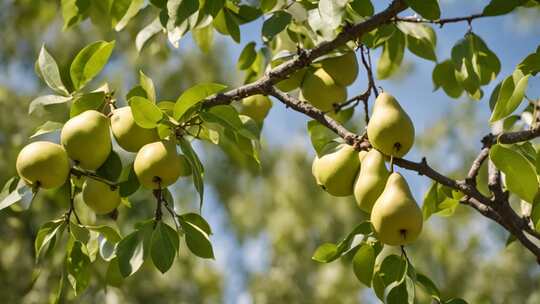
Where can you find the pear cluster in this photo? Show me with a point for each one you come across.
(342, 171)
(86, 141)
(323, 83)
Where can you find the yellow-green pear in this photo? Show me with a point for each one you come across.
(86, 139)
(396, 218)
(100, 197)
(336, 170)
(43, 164)
(371, 180)
(293, 81)
(129, 135)
(343, 69)
(390, 129)
(322, 91)
(157, 165)
(256, 107)
(361, 156)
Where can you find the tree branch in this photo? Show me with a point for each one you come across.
(440, 22)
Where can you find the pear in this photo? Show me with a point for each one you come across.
(336, 170)
(43, 164)
(100, 197)
(361, 156)
(371, 180)
(322, 91)
(293, 81)
(396, 218)
(86, 139)
(256, 107)
(390, 130)
(157, 165)
(343, 69)
(129, 135)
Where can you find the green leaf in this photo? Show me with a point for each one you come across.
(247, 56)
(326, 253)
(332, 12)
(443, 76)
(320, 136)
(228, 117)
(78, 267)
(421, 39)
(149, 31)
(89, 62)
(501, 7)
(198, 221)
(164, 246)
(148, 86)
(111, 168)
(510, 94)
(363, 263)
(275, 25)
(455, 301)
(193, 96)
(204, 38)
(146, 113)
(125, 13)
(79, 233)
(428, 286)
(45, 100)
(107, 232)
(520, 174)
(46, 233)
(362, 7)
(85, 102)
(48, 70)
(197, 239)
(226, 23)
(531, 63)
(268, 5)
(428, 9)
(392, 269)
(21, 193)
(196, 167)
(47, 127)
(128, 182)
(379, 36)
(130, 254)
(113, 277)
(392, 55)
(74, 11)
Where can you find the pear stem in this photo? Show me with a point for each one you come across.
(71, 209)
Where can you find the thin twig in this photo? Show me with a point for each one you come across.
(440, 22)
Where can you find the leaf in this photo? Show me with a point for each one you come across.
(363, 263)
(520, 174)
(204, 38)
(146, 113)
(47, 127)
(501, 7)
(147, 33)
(226, 24)
(392, 55)
(332, 12)
(148, 86)
(510, 94)
(247, 56)
(74, 11)
(128, 182)
(133, 9)
(531, 63)
(130, 254)
(428, 9)
(89, 62)
(429, 286)
(268, 5)
(197, 239)
(22, 193)
(362, 7)
(198, 221)
(455, 301)
(85, 102)
(276, 24)
(320, 136)
(111, 168)
(48, 69)
(164, 246)
(421, 39)
(443, 76)
(46, 100)
(329, 252)
(46, 233)
(228, 117)
(194, 96)
(107, 232)
(78, 269)
(79, 233)
(196, 167)
(325, 253)
(392, 269)
(113, 277)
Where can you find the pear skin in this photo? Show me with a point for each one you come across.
(343, 69)
(87, 139)
(336, 170)
(322, 91)
(129, 135)
(293, 81)
(256, 107)
(396, 218)
(100, 197)
(371, 181)
(43, 164)
(157, 165)
(390, 129)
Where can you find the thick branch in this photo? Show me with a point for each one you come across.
(513, 137)
(305, 57)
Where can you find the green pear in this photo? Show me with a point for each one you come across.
(336, 170)
(361, 156)
(87, 140)
(293, 81)
(256, 107)
(396, 218)
(371, 180)
(322, 91)
(343, 69)
(129, 135)
(390, 129)
(157, 165)
(100, 197)
(43, 164)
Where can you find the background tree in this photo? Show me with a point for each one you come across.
(269, 211)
